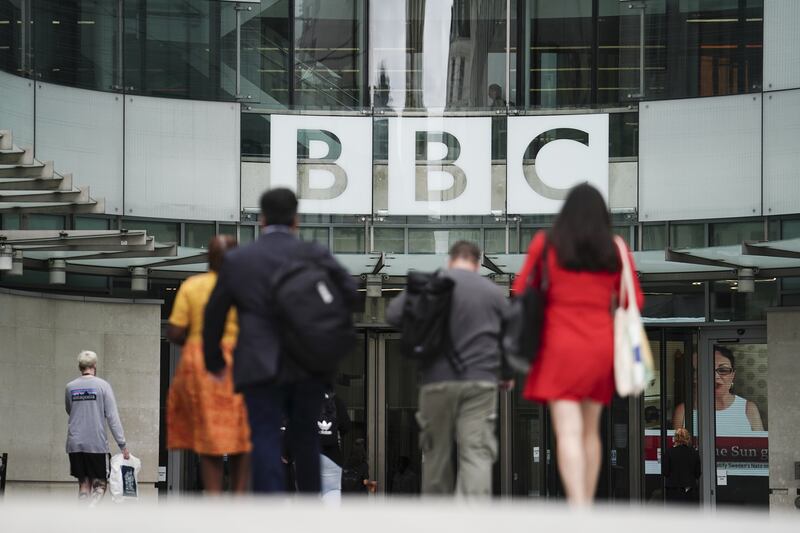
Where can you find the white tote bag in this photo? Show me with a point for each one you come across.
(633, 362)
(123, 482)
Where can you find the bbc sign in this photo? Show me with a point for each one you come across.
(437, 165)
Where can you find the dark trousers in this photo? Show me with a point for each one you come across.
(268, 408)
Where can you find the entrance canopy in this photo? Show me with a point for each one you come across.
(118, 252)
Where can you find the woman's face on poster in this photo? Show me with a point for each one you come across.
(723, 374)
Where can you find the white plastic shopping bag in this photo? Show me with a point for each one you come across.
(124, 479)
(633, 361)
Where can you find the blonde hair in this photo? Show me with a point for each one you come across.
(682, 437)
(87, 359)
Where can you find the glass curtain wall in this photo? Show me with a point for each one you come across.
(587, 52)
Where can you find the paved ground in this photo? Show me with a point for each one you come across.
(412, 516)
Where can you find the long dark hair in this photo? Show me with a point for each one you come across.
(582, 234)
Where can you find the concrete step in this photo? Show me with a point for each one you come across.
(35, 170)
(57, 182)
(6, 140)
(80, 195)
(16, 156)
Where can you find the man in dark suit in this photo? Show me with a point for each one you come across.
(276, 389)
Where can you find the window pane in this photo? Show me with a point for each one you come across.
(623, 135)
(438, 241)
(265, 54)
(91, 223)
(46, 222)
(390, 240)
(671, 300)
(11, 35)
(494, 241)
(180, 49)
(164, 232)
(349, 241)
(198, 235)
(328, 55)
(728, 304)
(246, 234)
(451, 54)
(227, 229)
(9, 221)
(731, 233)
(77, 43)
(687, 235)
(654, 237)
(319, 235)
(790, 229)
(255, 135)
(559, 35)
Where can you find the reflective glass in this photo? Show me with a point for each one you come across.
(228, 229)
(790, 229)
(451, 54)
(623, 134)
(91, 223)
(246, 234)
(11, 35)
(390, 240)
(198, 235)
(732, 233)
(328, 56)
(349, 241)
(265, 53)
(438, 241)
(679, 301)
(164, 232)
(9, 221)
(255, 135)
(45, 222)
(559, 37)
(319, 235)
(76, 43)
(687, 235)
(728, 304)
(654, 237)
(177, 48)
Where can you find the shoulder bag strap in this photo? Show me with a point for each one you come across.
(626, 274)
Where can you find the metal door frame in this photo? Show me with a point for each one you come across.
(708, 337)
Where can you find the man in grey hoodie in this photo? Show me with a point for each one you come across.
(458, 407)
(90, 403)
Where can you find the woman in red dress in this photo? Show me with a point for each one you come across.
(574, 371)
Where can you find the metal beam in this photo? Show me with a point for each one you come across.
(681, 257)
(768, 251)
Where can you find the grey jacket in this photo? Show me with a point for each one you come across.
(90, 403)
(475, 323)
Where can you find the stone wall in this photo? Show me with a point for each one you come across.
(40, 338)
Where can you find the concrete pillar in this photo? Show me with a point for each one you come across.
(783, 337)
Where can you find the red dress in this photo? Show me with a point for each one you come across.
(576, 358)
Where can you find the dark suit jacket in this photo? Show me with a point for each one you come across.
(680, 466)
(245, 282)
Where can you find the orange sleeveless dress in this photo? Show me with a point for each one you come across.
(204, 415)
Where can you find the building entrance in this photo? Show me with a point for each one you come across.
(713, 382)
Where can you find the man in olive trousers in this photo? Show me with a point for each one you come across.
(459, 406)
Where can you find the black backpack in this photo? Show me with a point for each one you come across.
(425, 322)
(328, 423)
(316, 323)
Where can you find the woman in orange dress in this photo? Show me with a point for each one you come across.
(203, 413)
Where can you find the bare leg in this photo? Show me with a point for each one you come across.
(240, 472)
(98, 491)
(211, 469)
(84, 488)
(568, 425)
(592, 446)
